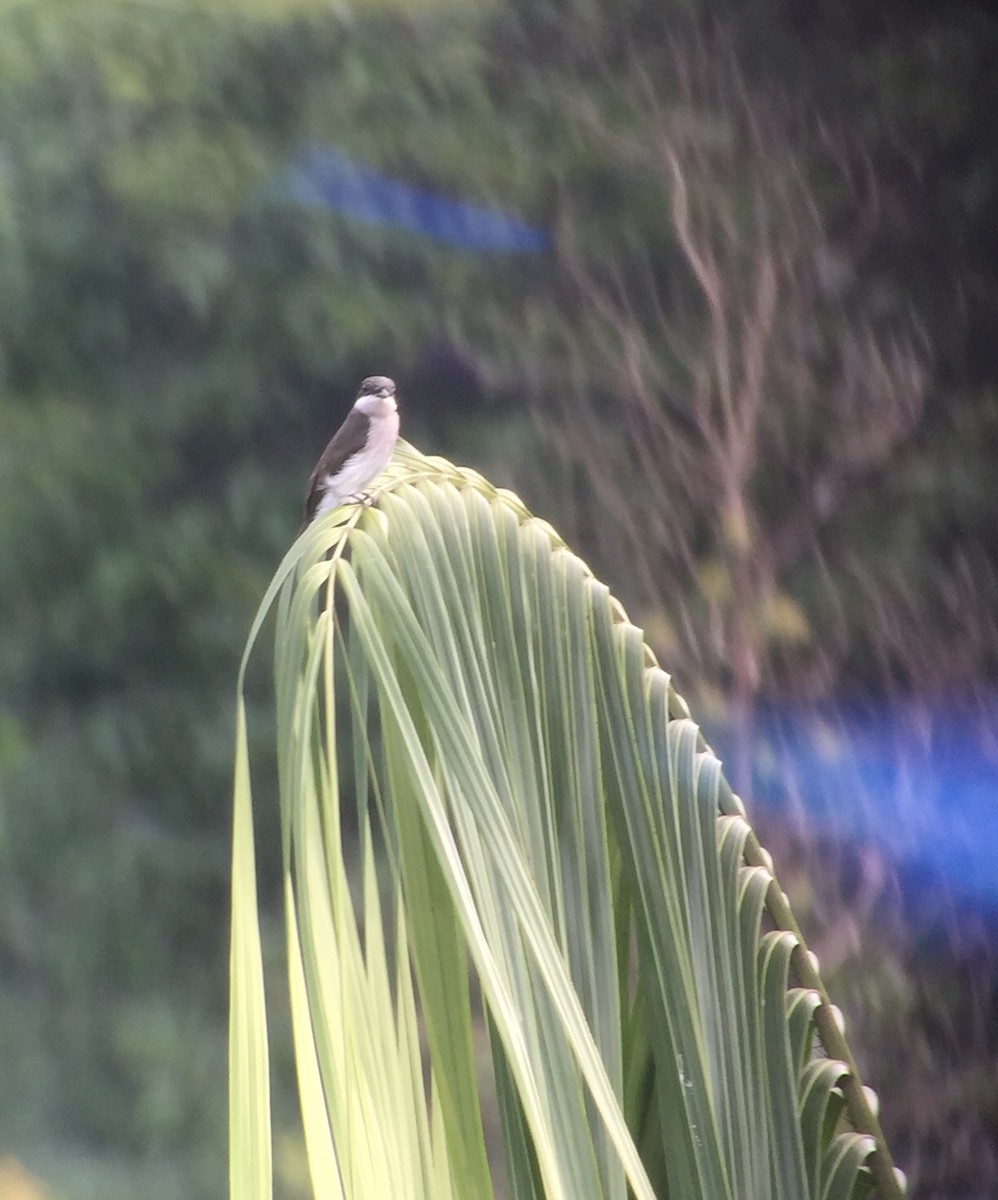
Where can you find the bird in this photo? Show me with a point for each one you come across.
(358, 452)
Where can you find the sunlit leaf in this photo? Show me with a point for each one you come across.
(466, 715)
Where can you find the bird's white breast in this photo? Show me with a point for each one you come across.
(364, 466)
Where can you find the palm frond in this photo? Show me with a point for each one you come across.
(459, 699)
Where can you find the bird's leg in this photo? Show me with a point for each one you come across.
(364, 498)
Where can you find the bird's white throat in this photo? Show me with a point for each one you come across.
(376, 406)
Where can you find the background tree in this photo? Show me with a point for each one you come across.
(737, 369)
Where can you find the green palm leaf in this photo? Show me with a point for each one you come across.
(458, 692)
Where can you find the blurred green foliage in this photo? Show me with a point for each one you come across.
(178, 339)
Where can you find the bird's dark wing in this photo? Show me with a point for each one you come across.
(347, 440)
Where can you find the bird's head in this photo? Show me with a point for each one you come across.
(376, 397)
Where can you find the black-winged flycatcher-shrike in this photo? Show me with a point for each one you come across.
(359, 451)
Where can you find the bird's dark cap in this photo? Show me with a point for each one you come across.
(377, 385)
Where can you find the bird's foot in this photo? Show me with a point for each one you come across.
(364, 498)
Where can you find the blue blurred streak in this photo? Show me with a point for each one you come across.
(925, 791)
(329, 179)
